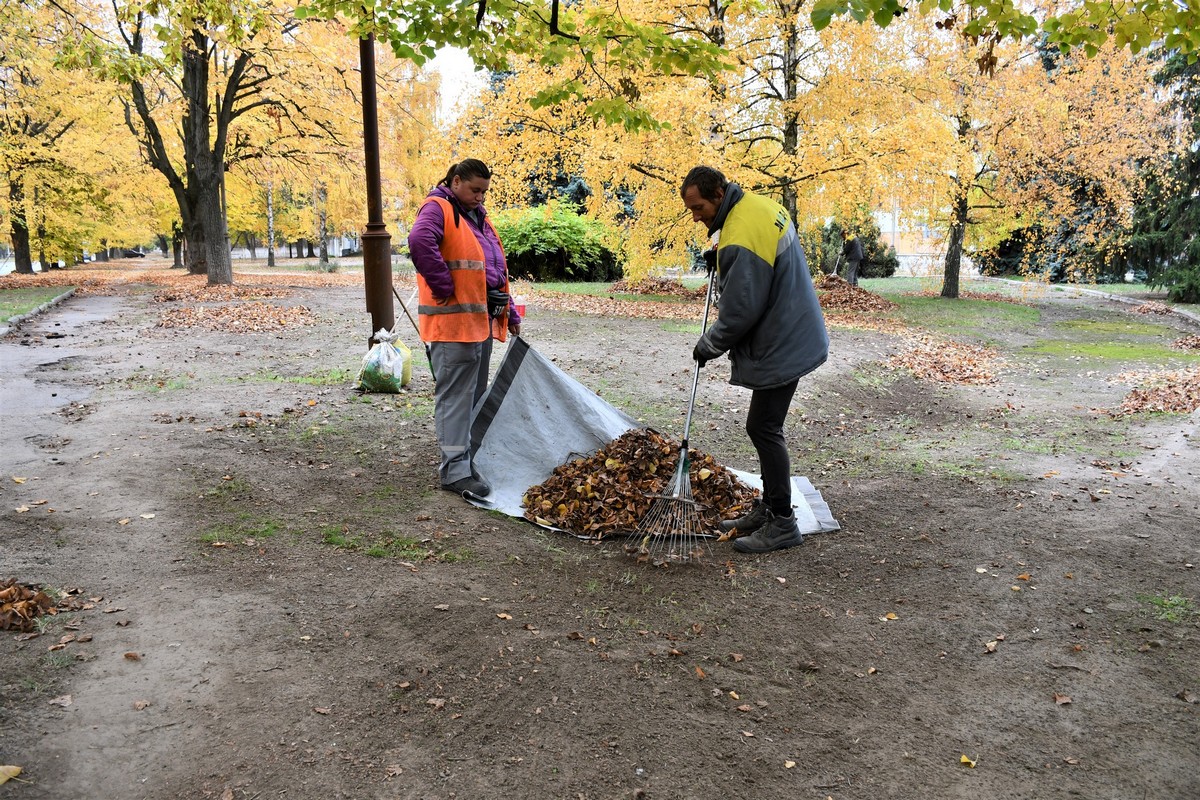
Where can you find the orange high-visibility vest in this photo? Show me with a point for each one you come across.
(462, 317)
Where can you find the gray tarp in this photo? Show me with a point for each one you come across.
(534, 417)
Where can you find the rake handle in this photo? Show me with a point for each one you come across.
(687, 422)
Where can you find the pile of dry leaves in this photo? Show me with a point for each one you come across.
(659, 286)
(1153, 308)
(610, 492)
(1166, 390)
(203, 293)
(947, 361)
(995, 297)
(241, 318)
(612, 307)
(1187, 343)
(837, 295)
(21, 604)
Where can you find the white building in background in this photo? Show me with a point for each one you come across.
(921, 249)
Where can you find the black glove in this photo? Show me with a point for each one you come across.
(710, 259)
(497, 302)
(704, 352)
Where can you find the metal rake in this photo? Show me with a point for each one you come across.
(672, 530)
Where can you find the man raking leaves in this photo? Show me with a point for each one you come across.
(770, 323)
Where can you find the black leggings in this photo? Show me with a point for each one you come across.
(764, 425)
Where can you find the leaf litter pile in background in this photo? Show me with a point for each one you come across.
(214, 294)
(610, 492)
(994, 297)
(1161, 390)
(21, 604)
(947, 361)
(1153, 307)
(251, 317)
(616, 307)
(1187, 343)
(659, 286)
(837, 295)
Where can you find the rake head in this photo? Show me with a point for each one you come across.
(672, 530)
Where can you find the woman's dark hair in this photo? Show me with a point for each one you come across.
(465, 170)
(707, 180)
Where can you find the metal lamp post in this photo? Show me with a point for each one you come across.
(376, 241)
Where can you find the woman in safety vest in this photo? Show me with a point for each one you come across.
(464, 303)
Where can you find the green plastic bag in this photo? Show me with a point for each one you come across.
(387, 366)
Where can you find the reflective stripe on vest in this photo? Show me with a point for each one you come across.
(462, 317)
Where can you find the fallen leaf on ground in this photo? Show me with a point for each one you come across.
(15, 479)
(1061, 699)
(947, 361)
(139, 705)
(8, 772)
(970, 762)
(321, 710)
(132, 656)
(789, 764)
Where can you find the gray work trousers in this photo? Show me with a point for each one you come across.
(852, 272)
(461, 375)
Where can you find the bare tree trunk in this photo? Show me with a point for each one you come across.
(41, 231)
(270, 224)
(205, 167)
(22, 258)
(176, 246)
(791, 124)
(958, 229)
(322, 226)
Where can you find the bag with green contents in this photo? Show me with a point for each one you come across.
(387, 366)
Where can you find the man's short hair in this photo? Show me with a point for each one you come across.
(708, 182)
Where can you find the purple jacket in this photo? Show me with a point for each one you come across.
(424, 247)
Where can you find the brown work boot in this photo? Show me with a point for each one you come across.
(778, 533)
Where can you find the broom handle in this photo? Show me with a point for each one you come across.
(687, 423)
(428, 355)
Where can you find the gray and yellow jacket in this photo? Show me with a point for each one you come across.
(769, 319)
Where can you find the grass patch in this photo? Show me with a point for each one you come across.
(1112, 351)
(980, 318)
(229, 488)
(1116, 327)
(329, 377)
(384, 545)
(17, 302)
(1170, 608)
(246, 527)
(681, 327)
(148, 382)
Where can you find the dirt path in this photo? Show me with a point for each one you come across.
(1002, 587)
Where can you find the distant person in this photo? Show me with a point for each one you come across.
(464, 303)
(770, 324)
(852, 251)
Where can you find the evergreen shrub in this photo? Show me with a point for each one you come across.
(555, 243)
